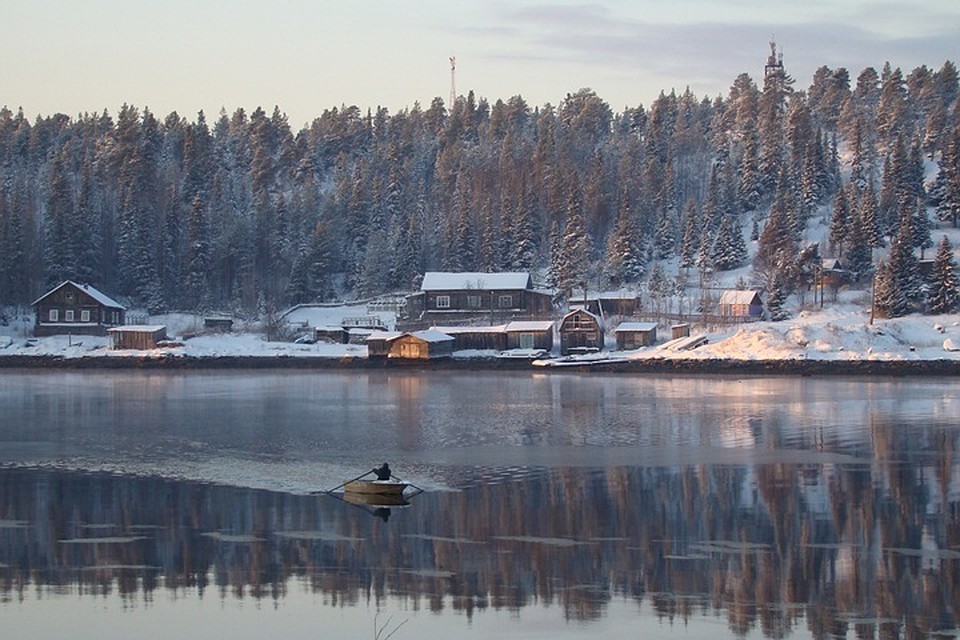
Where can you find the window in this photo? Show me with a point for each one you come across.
(116, 317)
(69, 297)
(68, 315)
(85, 315)
(473, 302)
(443, 302)
(505, 302)
(54, 315)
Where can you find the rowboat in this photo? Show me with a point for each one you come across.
(375, 487)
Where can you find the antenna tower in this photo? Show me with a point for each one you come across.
(453, 82)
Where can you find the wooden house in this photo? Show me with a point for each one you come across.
(633, 335)
(445, 297)
(421, 345)
(135, 336)
(580, 331)
(744, 304)
(529, 334)
(332, 334)
(77, 309)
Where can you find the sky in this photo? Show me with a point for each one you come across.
(306, 56)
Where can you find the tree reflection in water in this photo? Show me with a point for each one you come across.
(868, 546)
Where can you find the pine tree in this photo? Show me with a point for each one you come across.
(775, 301)
(839, 222)
(944, 295)
(888, 298)
(729, 249)
(624, 258)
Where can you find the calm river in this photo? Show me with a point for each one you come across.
(168, 504)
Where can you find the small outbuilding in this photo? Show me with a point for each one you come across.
(633, 335)
(379, 343)
(422, 345)
(580, 331)
(480, 338)
(137, 336)
(218, 324)
(744, 304)
(681, 330)
(529, 334)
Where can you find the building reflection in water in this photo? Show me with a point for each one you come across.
(870, 548)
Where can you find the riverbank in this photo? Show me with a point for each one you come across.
(660, 366)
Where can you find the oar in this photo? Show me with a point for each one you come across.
(409, 484)
(348, 482)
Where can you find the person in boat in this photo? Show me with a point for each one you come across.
(383, 471)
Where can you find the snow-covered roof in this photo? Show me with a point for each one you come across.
(635, 326)
(457, 281)
(529, 325)
(736, 296)
(451, 331)
(138, 328)
(94, 293)
(574, 310)
(431, 335)
(385, 335)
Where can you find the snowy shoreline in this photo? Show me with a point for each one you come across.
(710, 366)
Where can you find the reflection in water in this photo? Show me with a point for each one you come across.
(779, 506)
(868, 547)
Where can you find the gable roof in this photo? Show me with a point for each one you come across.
(579, 310)
(458, 281)
(736, 296)
(635, 326)
(94, 293)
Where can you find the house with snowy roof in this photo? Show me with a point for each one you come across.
(745, 304)
(455, 297)
(76, 309)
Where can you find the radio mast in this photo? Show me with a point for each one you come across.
(453, 83)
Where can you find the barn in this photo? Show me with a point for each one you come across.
(580, 332)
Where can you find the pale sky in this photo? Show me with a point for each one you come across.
(305, 56)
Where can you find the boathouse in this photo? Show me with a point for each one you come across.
(421, 345)
(633, 335)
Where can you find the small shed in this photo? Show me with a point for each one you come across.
(331, 333)
(379, 342)
(218, 324)
(741, 304)
(422, 345)
(681, 330)
(137, 336)
(580, 330)
(529, 334)
(633, 335)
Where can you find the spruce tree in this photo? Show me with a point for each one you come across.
(775, 301)
(888, 297)
(839, 222)
(944, 295)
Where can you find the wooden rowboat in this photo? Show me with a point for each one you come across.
(375, 487)
(376, 499)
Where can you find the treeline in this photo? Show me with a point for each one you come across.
(246, 214)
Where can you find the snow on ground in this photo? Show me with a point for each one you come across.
(838, 333)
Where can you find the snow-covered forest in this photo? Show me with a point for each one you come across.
(242, 213)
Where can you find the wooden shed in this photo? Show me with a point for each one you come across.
(681, 330)
(218, 324)
(633, 335)
(422, 345)
(379, 342)
(78, 309)
(137, 336)
(741, 304)
(481, 338)
(529, 334)
(331, 333)
(580, 331)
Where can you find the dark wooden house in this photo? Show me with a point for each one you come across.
(529, 334)
(580, 332)
(139, 337)
(218, 324)
(445, 298)
(77, 309)
(633, 335)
